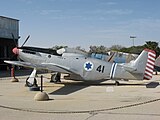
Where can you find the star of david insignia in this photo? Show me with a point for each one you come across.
(88, 66)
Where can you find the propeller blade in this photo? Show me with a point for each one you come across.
(14, 40)
(25, 40)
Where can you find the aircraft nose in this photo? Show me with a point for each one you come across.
(15, 51)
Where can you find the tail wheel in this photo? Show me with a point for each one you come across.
(117, 83)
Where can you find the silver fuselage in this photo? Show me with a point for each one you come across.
(88, 68)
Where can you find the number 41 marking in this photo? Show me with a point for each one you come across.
(100, 69)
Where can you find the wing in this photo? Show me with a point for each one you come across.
(69, 70)
(47, 66)
(19, 63)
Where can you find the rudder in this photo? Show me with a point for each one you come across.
(148, 73)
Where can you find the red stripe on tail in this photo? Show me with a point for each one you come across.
(150, 64)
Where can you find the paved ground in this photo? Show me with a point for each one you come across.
(81, 100)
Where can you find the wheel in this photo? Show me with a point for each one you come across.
(56, 78)
(117, 83)
(28, 84)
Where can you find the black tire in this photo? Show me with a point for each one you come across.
(117, 83)
(56, 78)
(28, 84)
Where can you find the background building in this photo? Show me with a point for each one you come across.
(8, 26)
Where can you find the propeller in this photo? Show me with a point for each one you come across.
(25, 40)
(16, 42)
(15, 50)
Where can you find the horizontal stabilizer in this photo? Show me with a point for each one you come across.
(129, 68)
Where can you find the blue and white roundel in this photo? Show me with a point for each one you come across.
(88, 66)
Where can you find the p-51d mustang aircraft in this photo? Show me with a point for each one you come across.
(81, 67)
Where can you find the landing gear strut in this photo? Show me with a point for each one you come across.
(31, 81)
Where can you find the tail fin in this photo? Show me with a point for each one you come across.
(145, 63)
(142, 67)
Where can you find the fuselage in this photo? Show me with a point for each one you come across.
(88, 68)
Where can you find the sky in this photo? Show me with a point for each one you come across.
(85, 22)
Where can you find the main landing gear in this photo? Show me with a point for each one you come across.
(31, 81)
(28, 84)
(55, 78)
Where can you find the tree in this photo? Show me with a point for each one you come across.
(80, 49)
(153, 46)
(116, 47)
(133, 49)
(98, 49)
(56, 47)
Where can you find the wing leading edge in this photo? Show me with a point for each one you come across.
(47, 66)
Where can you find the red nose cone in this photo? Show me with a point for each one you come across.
(15, 51)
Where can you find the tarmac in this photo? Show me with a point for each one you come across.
(76, 100)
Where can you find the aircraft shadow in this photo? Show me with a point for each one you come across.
(70, 87)
(73, 87)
